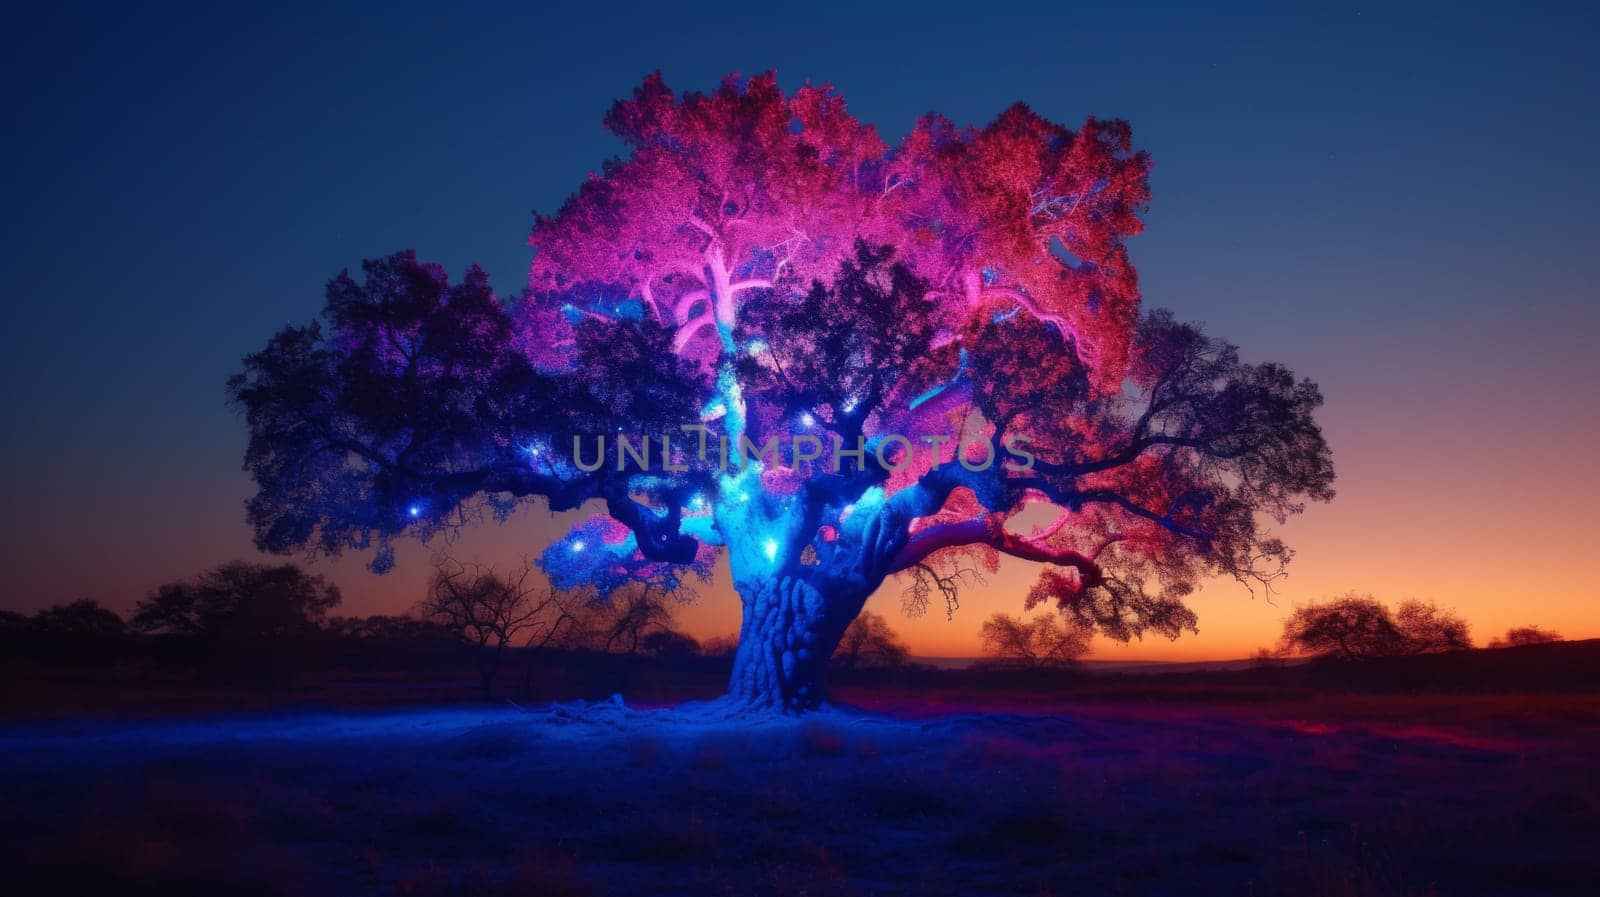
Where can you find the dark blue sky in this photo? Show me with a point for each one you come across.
(1399, 203)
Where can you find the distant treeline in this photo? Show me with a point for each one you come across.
(268, 626)
(1356, 626)
(247, 624)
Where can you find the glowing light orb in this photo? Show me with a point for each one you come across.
(577, 545)
(414, 511)
(807, 420)
(770, 547)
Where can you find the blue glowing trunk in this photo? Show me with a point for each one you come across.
(788, 633)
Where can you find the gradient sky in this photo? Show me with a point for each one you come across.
(1399, 203)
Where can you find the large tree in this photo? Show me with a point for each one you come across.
(960, 307)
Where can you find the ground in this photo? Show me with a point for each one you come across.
(961, 794)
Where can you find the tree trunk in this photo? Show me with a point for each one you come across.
(788, 633)
(490, 668)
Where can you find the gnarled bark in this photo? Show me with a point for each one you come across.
(788, 633)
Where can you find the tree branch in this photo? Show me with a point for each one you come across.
(990, 530)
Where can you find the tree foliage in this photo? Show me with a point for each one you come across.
(637, 619)
(1356, 626)
(239, 600)
(253, 622)
(81, 634)
(1044, 641)
(765, 266)
(1525, 635)
(1427, 629)
(493, 612)
(870, 643)
(81, 619)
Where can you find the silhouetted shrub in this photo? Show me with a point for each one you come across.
(1525, 635)
(244, 623)
(869, 644)
(1045, 641)
(494, 613)
(79, 635)
(1357, 626)
(1427, 629)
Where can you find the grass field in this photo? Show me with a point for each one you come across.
(1159, 790)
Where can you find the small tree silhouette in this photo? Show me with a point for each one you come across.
(1427, 629)
(869, 643)
(637, 619)
(81, 634)
(1525, 635)
(493, 612)
(1357, 626)
(1045, 641)
(1350, 626)
(84, 617)
(243, 620)
(722, 646)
